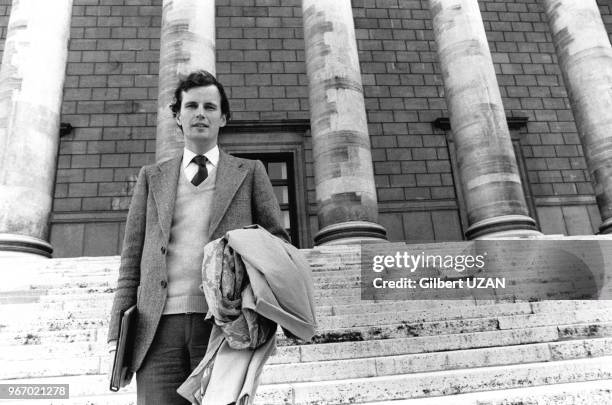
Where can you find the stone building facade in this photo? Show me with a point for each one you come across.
(109, 116)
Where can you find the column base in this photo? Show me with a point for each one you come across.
(606, 227)
(606, 291)
(351, 232)
(503, 226)
(14, 246)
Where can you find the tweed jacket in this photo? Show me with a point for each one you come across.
(243, 196)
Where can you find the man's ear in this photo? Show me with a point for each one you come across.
(223, 120)
(177, 118)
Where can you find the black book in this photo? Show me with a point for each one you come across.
(121, 374)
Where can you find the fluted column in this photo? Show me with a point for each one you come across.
(344, 176)
(585, 58)
(31, 82)
(487, 166)
(187, 43)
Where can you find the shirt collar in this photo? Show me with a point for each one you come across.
(212, 155)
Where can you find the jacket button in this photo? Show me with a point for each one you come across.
(163, 250)
(164, 283)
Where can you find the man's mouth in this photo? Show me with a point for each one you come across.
(200, 125)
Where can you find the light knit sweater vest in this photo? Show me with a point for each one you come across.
(188, 235)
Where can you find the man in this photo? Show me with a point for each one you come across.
(178, 206)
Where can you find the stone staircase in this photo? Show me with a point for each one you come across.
(53, 323)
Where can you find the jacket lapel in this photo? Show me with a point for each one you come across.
(163, 186)
(230, 175)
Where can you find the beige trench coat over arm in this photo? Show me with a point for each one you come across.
(280, 289)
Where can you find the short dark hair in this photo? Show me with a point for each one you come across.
(199, 78)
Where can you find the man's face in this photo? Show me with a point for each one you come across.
(200, 117)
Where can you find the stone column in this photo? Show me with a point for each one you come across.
(487, 166)
(344, 176)
(187, 43)
(585, 58)
(31, 83)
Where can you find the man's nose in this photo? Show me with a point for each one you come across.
(200, 111)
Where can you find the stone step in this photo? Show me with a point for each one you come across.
(429, 328)
(84, 291)
(90, 335)
(426, 344)
(56, 283)
(365, 317)
(98, 335)
(80, 328)
(319, 257)
(521, 346)
(569, 305)
(382, 388)
(112, 398)
(436, 361)
(34, 314)
(336, 301)
(88, 303)
(578, 393)
(33, 317)
(327, 262)
(35, 324)
(330, 316)
(363, 390)
(339, 281)
(74, 270)
(399, 346)
(331, 351)
(322, 297)
(330, 287)
(30, 327)
(62, 316)
(61, 294)
(555, 318)
(446, 305)
(62, 285)
(366, 306)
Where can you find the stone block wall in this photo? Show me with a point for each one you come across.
(110, 98)
(111, 90)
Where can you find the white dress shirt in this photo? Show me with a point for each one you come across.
(191, 168)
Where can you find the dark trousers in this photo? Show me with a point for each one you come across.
(178, 347)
